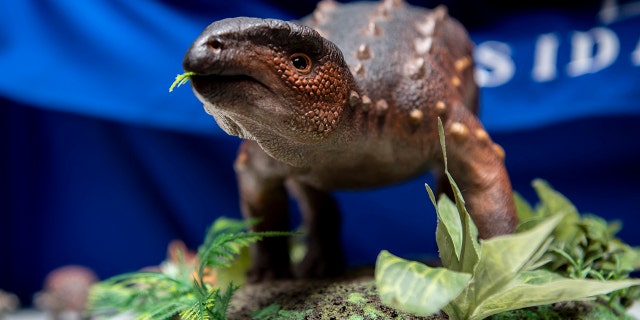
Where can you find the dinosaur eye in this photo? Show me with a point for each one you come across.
(302, 62)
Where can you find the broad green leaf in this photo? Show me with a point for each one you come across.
(414, 287)
(469, 249)
(541, 257)
(448, 251)
(449, 234)
(542, 288)
(540, 276)
(503, 257)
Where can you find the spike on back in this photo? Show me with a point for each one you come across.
(386, 6)
(391, 4)
(324, 7)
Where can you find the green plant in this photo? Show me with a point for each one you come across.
(181, 79)
(584, 246)
(186, 290)
(480, 279)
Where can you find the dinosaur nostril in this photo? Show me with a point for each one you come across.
(215, 44)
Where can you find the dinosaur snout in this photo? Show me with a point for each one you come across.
(228, 43)
(204, 55)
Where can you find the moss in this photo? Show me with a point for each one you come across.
(356, 298)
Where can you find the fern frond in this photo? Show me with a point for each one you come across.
(165, 310)
(213, 306)
(196, 311)
(158, 295)
(151, 295)
(226, 237)
(223, 301)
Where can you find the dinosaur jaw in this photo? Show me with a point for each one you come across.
(241, 105)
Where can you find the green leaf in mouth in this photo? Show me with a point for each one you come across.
(181, 79)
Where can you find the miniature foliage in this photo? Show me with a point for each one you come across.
(583, 246)
(185, 292)
(181, 79)
(275, 312)
(480, 279)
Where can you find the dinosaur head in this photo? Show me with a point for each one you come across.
(265, 79)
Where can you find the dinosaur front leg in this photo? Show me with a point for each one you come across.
(477, 165)
(321, 218)
(263, 196)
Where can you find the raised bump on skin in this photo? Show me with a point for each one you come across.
(363, 52)
(459, 131)
(320, 17)
(393, 3)
(441, 107)
(354, 98)
(422, 45)
(415, 116)
(426, 27)
(383, 10)
(414, 68)
(373, 29)
(499, 150)
(455, 81)
(321, 32)
(481, 135)
(366, 103)
(462, 63)
(387, 6)
(327, 5)
(381, 107)
(359, 69)
(440, 12)
(241, 161)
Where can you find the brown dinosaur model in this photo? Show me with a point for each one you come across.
(346, 99)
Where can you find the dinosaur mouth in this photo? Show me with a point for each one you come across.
(213, 81)
(214, 87)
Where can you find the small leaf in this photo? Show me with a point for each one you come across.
(523, 208)
(552, 203)
(414, 287)
(595, 228)
(181, 79)
(527, 216)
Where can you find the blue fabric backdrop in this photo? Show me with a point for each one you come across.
(102, 166)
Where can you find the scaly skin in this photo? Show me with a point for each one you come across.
(349, 101)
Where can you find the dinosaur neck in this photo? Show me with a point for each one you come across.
(301, 153)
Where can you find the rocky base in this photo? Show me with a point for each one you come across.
(354, 298)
